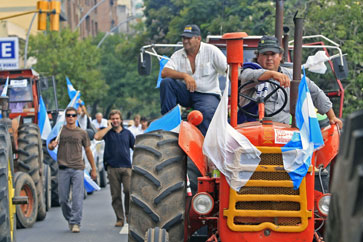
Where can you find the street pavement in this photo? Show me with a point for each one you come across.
(97, 224)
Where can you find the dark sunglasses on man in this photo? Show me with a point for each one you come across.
(71, 115)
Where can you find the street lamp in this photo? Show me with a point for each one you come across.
(89, 11)
(114, 28)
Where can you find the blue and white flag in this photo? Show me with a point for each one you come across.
(89, 184)
(162, 62)
(298, 152)
(230, 151)
(72, 92)
(169, 121)
(5, 89)
(43, 120)
(58, 127)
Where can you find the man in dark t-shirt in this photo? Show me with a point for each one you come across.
(116, 157)
(71, 166)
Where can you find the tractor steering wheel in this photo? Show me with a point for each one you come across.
(262, 99)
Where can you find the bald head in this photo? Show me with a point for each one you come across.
(99, 117)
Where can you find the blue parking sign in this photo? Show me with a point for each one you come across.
(9, 53)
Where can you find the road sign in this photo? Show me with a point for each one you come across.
(9, 53)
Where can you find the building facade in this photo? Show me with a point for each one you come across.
(95, 16)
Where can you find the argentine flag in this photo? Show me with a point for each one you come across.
(72, 92)
(43, 120)
(164, 59)
(89, 184)
(298, 152)
(169, 121)
(58, 126)
(5, 89)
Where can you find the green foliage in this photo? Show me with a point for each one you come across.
(63, 54)
(107, 76)
(255, 17)
(129, 92)
(341, 21)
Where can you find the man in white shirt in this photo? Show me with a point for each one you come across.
(191, 76)
(99, 122)
(136, 127)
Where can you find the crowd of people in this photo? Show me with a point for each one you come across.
(190, 78)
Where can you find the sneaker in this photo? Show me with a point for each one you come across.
(70, 226)
(76, 228)
(119, 224)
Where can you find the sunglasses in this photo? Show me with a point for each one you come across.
(71, 115)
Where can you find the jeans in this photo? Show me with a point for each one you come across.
(71, 208)
(116, 177)
(173, 92)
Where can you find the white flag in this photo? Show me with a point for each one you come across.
(230, 151)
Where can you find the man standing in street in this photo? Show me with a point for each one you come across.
(99, 122)
(144, 124)
(117, 162)
(71, 166)
(136, 127)
(191, 76)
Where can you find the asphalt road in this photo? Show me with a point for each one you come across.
(97, 224)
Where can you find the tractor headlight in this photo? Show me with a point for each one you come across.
(202, 203)
(323, 204)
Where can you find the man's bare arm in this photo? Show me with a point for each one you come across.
(280, 77)
(189, 80)
(102, 132)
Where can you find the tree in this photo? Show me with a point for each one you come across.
(62, 54)
(129, 92)
(341, 20)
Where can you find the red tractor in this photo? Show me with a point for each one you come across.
(267, 208)
(20, 116)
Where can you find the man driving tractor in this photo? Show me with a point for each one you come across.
(266, 66)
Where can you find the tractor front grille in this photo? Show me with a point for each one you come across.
(268, 200)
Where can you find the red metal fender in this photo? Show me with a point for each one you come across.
(331, 140)
(191, 141)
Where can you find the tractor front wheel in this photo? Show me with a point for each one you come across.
(26, 214)
(158, 186)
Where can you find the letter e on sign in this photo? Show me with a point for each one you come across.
(9, 53)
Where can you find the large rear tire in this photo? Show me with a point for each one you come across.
(26, 214)
(158, 186)
(156, 235)
(7, 228)
(345, 221)
(31, 161)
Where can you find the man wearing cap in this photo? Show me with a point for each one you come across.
(191, 77)
(267, 67)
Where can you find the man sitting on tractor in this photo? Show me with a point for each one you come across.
(191, 77)
(266, 67)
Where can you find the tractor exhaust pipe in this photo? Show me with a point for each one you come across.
(279, 19)
(285, 43)
(294, 87)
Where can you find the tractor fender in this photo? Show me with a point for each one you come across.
(329, 151)
(191, 141)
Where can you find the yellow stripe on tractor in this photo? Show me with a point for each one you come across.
(12, 207)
